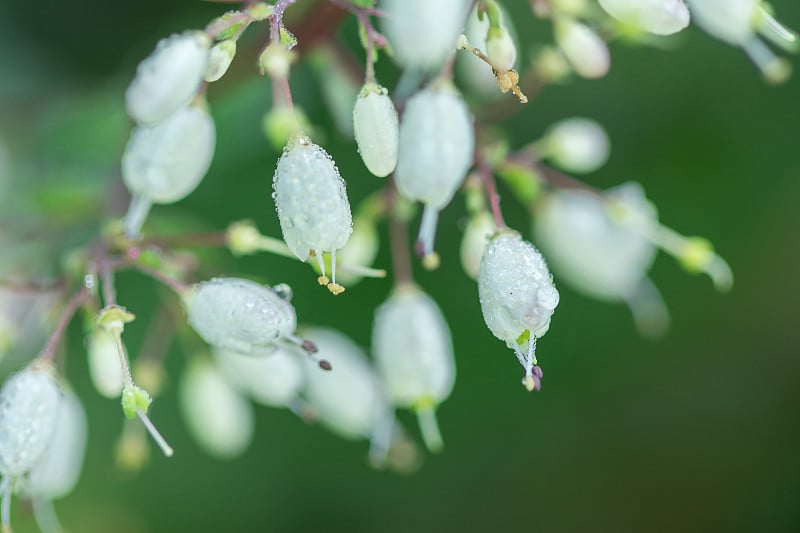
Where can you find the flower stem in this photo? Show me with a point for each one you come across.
(74, 303)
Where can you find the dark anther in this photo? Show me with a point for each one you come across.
(324, 365)
(309, 346)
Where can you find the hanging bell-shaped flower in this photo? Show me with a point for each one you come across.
(413, 351)
(437, 142)
(241, 315)
(517, 298)
(312, 205)
(376, 129)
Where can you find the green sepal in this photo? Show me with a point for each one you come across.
(114, 316)
(134, 399)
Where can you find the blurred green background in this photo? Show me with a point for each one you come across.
(698, 431)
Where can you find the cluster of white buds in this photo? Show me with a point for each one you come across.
(517, 298)
(423, 33)
(659, 17)
(171, 148)
(739, 23)
(42, 438)
(414, 355)
(312, 205)
(437, 141)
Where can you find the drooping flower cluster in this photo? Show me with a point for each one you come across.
(42, 439)
(171, 148)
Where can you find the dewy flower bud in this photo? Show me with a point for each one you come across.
(169, 78)
(474, 242)
(218, 417)
(583, 48)
(437, 141)
(104, 364)
(660, 17)
(29, 405)
(240, 315)
(274, 380)
(577, 145)
(422, 33)
(312, 204)
(57, 473)
(220, 58)
(414, 354)
(600, 254)
(165, 162)
(517, 297)
(376, 129)
(348, 400)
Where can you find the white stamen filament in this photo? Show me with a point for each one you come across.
(775, 32)
(427, 229)
(151, 428)
(429, 427)
(137, 214)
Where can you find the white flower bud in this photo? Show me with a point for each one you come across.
(517, 296)
(59, 470)
(168, 78)
(220, 58)
(731, 21)
(104, 364)
(598, 246)
(29, 406)
(165, 162)
(312, 204)
(273, 380)
(500, 49)
(476, 237)
(376, 130)
(217, 416)
(583, 48)
(349, 399)
(414, 356)
(436, 146)
(577, 145)
(660, 17)
(240, 315)
(422, 33)
(437, 141)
